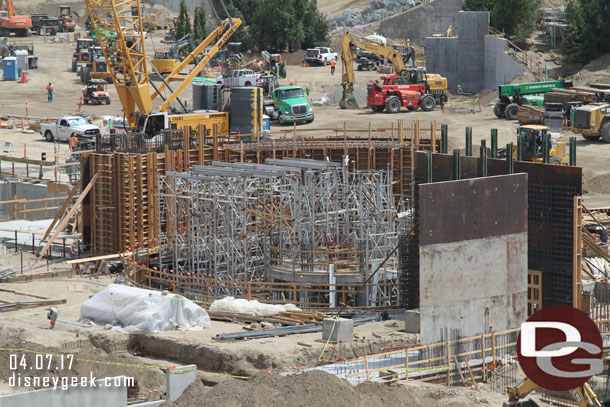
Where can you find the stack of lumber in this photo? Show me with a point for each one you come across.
(290, 318)
(584, 94)
(530, 115)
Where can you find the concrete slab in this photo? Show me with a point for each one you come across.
(100, 395)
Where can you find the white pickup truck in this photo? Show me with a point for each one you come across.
(68, 125)
(239, 77)
(320, 56)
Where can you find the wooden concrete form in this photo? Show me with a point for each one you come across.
(122, 210)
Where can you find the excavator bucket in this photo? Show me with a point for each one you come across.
(349, 103)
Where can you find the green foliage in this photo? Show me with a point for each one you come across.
(197, 34)
(184, 22)
(243, 32)
(280, 25)
(586, 36)
(202, 22)
(517, 18)
(478, 5)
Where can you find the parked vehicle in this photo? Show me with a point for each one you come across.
(290, 105)
(68, 125)
(95, 92)
(65, 18)
(239, 78)
(42, 23)
(320, 56)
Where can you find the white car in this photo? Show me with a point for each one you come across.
(320, 55)
(68, 125)
(239, 78)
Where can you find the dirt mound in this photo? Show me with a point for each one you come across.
(599, 184)
(315, 388)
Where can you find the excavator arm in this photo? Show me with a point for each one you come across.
(351, 41)
(8, 7)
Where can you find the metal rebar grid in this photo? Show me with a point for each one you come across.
(291, 220)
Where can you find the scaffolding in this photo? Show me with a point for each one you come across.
(289, 220)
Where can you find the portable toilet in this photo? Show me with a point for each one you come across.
(22, 60)
(9, 65)
(266, 124)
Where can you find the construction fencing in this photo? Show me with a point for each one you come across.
(460, 362)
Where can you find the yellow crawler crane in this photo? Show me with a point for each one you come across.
(125, 54)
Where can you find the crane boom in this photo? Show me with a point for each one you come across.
(125, 54)
(221, 34)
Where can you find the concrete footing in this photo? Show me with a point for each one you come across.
(338, 329)
(178, 379)
(412, 321)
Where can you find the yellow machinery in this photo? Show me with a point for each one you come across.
(592, 121)
(165, 62)
(126, 57)
(583, 395)
(434, 83)
(532, 137)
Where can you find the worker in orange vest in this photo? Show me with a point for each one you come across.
(73, 141)
(332, 66)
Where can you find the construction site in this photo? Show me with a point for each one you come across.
(365, 222)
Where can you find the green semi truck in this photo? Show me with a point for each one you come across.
(510, 97)
(288, 104)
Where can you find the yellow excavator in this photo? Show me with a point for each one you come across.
(583, 395)
(406, 87)
(126, 56)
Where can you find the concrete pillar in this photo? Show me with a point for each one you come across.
(412, 321)
(178, 379)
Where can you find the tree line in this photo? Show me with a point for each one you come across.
(272, 25)
(585, 38)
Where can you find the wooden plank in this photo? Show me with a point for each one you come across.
(6, 290)
(14, 306)
(457, 366)
(62, 209)
(67, 218)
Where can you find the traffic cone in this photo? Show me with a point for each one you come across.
(22, 125)
(24, 77)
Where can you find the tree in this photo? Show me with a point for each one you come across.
(197, 34)
(586, 36)
(202, 21)
(184, 22)
(515, 17)
(316, 27)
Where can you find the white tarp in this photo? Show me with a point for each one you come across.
(255, 308)
(139, 311)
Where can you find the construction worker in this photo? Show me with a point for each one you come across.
(73, 142)
(50, 91)
(332, 66)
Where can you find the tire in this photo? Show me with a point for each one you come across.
(360, 67)
(248, 83)
(86, 101)
(310, 121)
(48, 135)
(146, 26)
(427, 103)
(73, 64)
(82, 75)
(392, 104)
(281, 120)
(108, 101)
(378, 109)
(510, 113)
(605, 132)
(499, 110)
(592, 138)
(555, 161)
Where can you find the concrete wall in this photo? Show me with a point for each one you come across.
(25, 190)
(423, 21)
(473, 256)
(500, 67)
(473, 59)
(442, 58)
(474, 26)
(90, 396)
